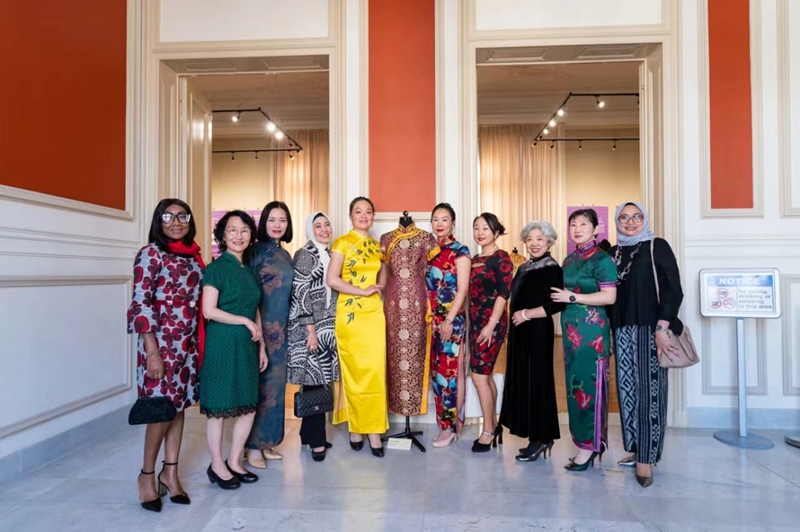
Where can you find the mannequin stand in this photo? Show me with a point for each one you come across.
(409, 435)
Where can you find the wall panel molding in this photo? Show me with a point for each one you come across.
(791, 355)
(7, 282)
(707, 361)
(757, 211)
(785, 163)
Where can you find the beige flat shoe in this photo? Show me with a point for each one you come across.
(257, 462)
(271, 454)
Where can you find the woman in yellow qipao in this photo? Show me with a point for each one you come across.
(358, 274)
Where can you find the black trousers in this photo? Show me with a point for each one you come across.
(312, 428)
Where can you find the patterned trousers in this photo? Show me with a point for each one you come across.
(444, 374)
(642, 388)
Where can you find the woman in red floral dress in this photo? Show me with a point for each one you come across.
(165, 313)
(489, 289)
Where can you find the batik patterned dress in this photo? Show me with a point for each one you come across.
(361, 338)
(273, 266)
(587, 342)
(442, 281)
(489, 279)
(406, 251)
(166, 292)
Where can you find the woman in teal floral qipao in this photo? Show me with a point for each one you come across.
(589, 284)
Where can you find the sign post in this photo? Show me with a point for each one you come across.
(741, 293)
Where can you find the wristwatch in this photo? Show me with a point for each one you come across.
(572, 299)
(661, 328)
(448, 321)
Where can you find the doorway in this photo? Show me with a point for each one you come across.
(576, 127)
(238, 133)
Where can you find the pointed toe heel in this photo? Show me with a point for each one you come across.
(181, 498)
(154, 505)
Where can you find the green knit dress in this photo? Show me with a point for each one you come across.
(229, 376)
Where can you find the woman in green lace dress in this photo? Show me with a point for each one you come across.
(590, 277)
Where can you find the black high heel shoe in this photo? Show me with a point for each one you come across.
(357, 445)
(318, 456)
(181, 498)
(377, 452)
(498, 436)
(230, 484)
(531, 454)
(155, 504)
(478, 447)
(574, 466)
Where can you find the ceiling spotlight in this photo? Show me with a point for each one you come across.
(552, 123)
(614, 146)
(279, 135)
(580, 144)
(560, 112)
(256, 156)
(236, 117)
(291, 156)
(546, 131)
(552, 144)
(535, 142)
(233, 156)
(600, 103)
(271, 127)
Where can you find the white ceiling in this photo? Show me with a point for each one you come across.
(522, 94)
(294, 100)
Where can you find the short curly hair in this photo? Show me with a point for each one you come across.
(545, 227)
(219, 231)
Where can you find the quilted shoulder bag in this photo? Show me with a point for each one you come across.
(313, 402)
(686, 353)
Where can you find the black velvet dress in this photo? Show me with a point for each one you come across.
(529, 396)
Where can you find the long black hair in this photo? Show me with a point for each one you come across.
(263, 236)
(157, 235)
(219, 232)
(494, 224)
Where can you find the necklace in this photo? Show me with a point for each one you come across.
(618, 260)
(485, 254)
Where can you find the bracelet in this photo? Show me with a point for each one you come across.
(493, 320)
(448, 321)
(524, 316)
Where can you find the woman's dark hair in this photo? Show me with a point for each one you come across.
(219, 232)
(262, 223)
(157, 235)
(361, 198)
(446, 207)
(605, 245)
(589, 214)
(493, 223)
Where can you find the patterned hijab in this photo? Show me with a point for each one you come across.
(322, 249)
(642, 236)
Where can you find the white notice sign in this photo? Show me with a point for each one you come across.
(740, 293)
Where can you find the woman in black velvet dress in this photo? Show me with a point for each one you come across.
(529, 398)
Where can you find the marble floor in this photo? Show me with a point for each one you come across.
(700, 485)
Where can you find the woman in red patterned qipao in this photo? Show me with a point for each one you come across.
(165, 313)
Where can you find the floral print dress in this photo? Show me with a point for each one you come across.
(442, 280)
(587, 342)
(489, 279)
(166, 292)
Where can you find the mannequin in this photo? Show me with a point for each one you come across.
(406, 251)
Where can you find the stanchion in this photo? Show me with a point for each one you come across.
(741, 438)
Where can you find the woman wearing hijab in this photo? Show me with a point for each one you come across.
(644, 323)
(312, 359)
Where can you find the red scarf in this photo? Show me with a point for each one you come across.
(180, 248)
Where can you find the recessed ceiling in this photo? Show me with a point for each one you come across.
(294, 100)
(532, 93)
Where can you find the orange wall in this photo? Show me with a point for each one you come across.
(402, 105)
(63, 93)
(730, 102)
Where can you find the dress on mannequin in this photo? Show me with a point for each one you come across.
(406, 251)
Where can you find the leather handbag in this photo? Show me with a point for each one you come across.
(148, 410)
(313, 402)
(686, 353)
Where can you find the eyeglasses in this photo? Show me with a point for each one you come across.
(637, 218)
(234, 232)
(183, 217)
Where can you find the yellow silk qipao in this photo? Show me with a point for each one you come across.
(361, 339)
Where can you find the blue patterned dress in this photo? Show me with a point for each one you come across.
(273, 266)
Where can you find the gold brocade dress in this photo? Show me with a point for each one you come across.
(361, 338)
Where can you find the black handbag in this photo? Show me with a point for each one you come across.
(148, 410)
(313, 402)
